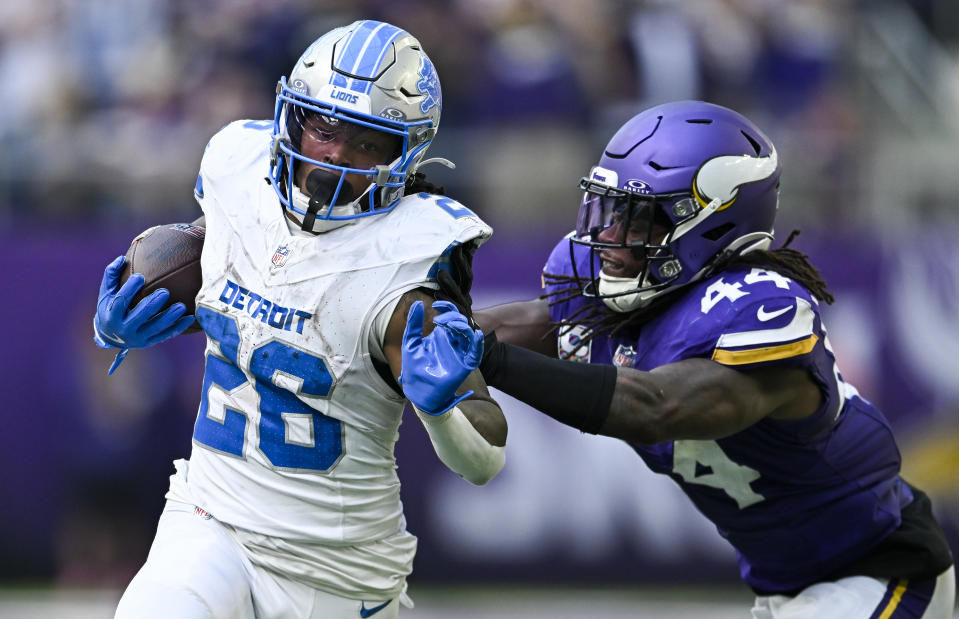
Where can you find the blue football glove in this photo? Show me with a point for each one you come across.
(436, 365)
(115, 325)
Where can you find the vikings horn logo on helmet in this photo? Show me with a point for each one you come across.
(721, 177)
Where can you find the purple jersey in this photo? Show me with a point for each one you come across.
(797, 499)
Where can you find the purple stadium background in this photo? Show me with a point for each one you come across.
(85, 457)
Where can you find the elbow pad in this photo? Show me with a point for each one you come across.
(461, 448)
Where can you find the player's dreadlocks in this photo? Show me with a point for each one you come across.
(417, 183)
(597, 318)
(785, 261)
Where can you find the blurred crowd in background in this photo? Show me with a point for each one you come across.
(106, 105)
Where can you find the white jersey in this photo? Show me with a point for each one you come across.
(295, 433)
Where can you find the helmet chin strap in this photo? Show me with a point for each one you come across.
(320, 224)
(322, 185)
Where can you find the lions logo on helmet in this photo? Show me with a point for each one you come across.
(429, 85)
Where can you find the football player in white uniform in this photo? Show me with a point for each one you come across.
(318, 252)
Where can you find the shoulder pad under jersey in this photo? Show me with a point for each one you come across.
(746, 317)
(238, 150)
(424, 215)
(416, 237)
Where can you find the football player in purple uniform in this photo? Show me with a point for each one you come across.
(705, 350)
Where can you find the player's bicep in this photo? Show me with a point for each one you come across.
(733, 399)
(522, 323)
(702, 399)
(393, 341)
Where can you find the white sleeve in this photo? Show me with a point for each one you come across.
(378, 328)
(461, 448)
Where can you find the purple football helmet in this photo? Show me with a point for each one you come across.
(680, 185)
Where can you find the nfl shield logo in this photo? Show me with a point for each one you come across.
(624, 357)
(570, 338)
(280, 255)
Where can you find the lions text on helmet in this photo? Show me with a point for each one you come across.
(352, 123)
(677, 187)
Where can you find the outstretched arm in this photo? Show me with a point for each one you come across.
(702, 399)
(437, 369)
(689, 399)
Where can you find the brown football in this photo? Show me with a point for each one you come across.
(168, 256)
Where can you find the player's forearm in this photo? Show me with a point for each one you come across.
(694, 399)
(483, 413)
(487, 419)
(461, 446)
(576, 394)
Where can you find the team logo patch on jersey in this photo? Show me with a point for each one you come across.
(624, 356)
(280, 255)
(570, 344)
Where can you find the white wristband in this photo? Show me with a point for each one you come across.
(461, 448)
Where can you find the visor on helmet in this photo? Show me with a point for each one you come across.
(368, 146)
(639, 220)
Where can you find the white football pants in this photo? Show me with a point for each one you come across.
(863, 597)
(196, 570)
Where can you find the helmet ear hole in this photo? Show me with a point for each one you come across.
(718, 232)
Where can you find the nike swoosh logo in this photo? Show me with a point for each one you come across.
(369, 612)
(764, 316)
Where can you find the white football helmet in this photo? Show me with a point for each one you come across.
(369, 84)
